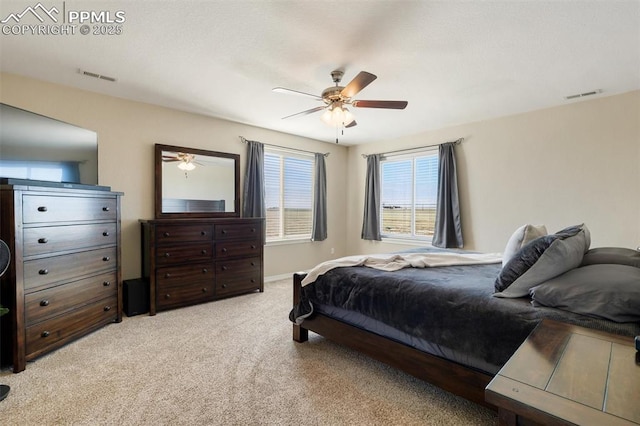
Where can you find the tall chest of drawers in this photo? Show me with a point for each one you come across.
(189, 261)
(64, 280)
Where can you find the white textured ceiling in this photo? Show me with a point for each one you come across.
(453, 61)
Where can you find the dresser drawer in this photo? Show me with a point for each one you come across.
(40, 273)
(236, 231)
(57, 331)
(51, 208)
(45, 304)
(184, 253)
(49, 239)
(170, 234)
(176, 275)
(240, 283)
(226, 269)
(238, 276)
(171, 296)
(238, 248)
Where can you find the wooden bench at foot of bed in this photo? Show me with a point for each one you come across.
(447, 375)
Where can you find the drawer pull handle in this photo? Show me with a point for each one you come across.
(224, 250)
(105, 234)
(42, 208)
(205, 270)
(224, 268)
(167, 296)
(252, 281)
(106, 283)
(43, 241)
(167, 275)
(43, 271)
(224, 286)
(253, 229)
(204, 290)
(166, 234)
(105, 209)
(203, 252)
(45, 334)
(253, 247)
(224, 231)
(203, 233)
(44, 302)
(253, 263)
(167, 255)
(106, 258)
(107, 308)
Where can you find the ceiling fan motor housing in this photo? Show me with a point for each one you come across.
(332, 94)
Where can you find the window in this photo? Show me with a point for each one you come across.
(409, 195)
(288, 194)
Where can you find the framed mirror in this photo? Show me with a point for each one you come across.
(196, 183)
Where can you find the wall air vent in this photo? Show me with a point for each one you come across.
(96, 75)
(582, 95)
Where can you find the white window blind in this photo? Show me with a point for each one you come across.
(288, 194)
(409, 194)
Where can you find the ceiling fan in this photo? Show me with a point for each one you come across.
(337, 98)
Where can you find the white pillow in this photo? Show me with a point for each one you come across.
(520, 238)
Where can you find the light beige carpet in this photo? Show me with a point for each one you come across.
(230, 362)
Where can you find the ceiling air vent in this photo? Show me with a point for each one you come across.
(582, 95)
(96, 75)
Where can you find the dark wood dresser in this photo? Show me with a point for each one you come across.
(64, 279)
(189, 261)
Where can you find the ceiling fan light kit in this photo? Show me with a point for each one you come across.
(337, 97)
(337, 116)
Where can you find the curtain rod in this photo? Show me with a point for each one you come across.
(326, 154)
(456, 142)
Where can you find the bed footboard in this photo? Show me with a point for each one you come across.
(300, 334)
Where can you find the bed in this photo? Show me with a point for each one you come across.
(455, 326)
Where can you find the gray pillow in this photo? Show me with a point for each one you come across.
(604, 291)
(543, 258)
(615, 255)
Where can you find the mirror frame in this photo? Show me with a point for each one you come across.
(159, 148)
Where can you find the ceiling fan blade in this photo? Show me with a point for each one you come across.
(296, 92)
(380, 104)
(352, 124)
(360, 81)
(309, 111)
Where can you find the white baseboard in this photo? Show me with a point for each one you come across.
(279, 277)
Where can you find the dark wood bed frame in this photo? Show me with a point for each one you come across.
(450, 376)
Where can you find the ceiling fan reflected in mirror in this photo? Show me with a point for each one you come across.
(337, 98)
(185, 161)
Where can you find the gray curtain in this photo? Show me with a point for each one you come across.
(448, 229)
(319, 232)
(253, 204)
(371, 218)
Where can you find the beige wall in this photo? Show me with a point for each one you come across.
(558, 166)
(127, 132)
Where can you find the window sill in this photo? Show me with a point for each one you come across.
(407, 241)
(291, 241)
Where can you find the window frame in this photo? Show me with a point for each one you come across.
(413, 156)
(284, 153)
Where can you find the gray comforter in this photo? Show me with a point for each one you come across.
(446, 311)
